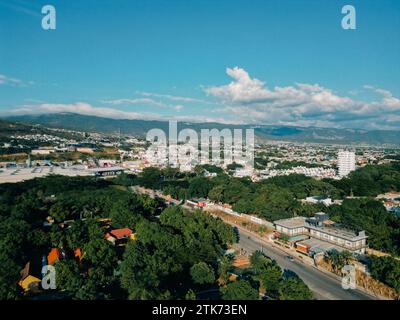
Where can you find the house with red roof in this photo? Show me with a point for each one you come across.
(119, 236)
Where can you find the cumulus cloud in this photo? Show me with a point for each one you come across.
(302, 104)
(247, 100)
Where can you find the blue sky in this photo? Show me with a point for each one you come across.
(274, 62)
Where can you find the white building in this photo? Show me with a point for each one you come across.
(41, 151)
(317, 172)
(243, 172)
(319, 234)
(346, 162)
(319, 199)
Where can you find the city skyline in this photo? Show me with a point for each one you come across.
(286, 63)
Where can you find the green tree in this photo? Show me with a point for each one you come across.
(239, 290)
(199, 187)
(225, 268)
(338, 259)
(387, 270)
(150, 178)
(267, 272)
(68, 276)
(190, 295)
(202, 273)
(217, 193)
(293, 288)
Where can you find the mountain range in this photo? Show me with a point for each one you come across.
(90, 123)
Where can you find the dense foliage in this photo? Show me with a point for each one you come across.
(278, 197)
(277, 284)
(173, 256)
(174, 253)
(382, 227)
(387, 270)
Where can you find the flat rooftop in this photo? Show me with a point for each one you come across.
(107, 169)
(329, 228)
(339, 232)
(291, 223)
(13, 175)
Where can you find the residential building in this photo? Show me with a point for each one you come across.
(85, 150)
(42, 151)
(346, 162)
(28, 281)
(391, 202)
(120, 236)
(53, 256)
(318, 199)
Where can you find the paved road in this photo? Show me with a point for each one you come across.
(324, 286)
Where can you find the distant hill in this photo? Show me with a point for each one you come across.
(266, 132)
(14, 128)
(9, 128)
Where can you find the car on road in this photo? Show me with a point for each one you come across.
(237, 233)
(290, 258)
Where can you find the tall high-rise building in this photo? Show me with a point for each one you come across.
(346, 162)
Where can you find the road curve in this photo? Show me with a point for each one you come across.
(324, 286)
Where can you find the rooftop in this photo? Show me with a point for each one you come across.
(296, 222)
(121, 233)
(12, 175)
(327, 227)
(318, 245)
(339, 232)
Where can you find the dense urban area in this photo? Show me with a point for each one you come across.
(118, 222)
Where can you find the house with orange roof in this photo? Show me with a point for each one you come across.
(78, 254)
(119, 236)
(53, 256)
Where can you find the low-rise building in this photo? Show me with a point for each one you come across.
(298, 229)
(120, 236)
(85, 150)
(391, 202)
(318, 199)
(44, 151)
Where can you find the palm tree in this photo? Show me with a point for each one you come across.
(337, 259)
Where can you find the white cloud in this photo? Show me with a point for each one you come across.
(142, 101)
(178, 107)
(81, 108)
(23, 7)
(87, 109)
(249, 100)
(169, 97)
(5, 80)
(252, 101)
